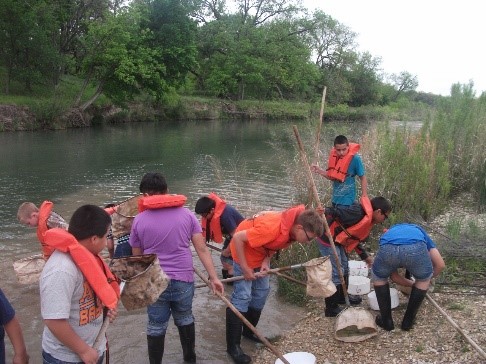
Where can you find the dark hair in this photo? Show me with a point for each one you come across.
(89, 220)
(153, 183)
(381, 203)
(341, 139)
(108, 205)
(204, 205)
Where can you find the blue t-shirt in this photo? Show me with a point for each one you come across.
(406, 234)
(230, 219)
(7, 313)
(344, 193)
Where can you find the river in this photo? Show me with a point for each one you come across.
(101, 165)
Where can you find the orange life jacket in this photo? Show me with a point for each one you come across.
(44, 213)
(160, 201)
(337, 168)
(350, 237)
(94, 269)
(214, 226)
(284, 220)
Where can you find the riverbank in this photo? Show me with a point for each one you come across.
(38, 115)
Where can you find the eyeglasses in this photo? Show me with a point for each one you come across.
(307, 235)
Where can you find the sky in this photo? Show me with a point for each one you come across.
(440, 42)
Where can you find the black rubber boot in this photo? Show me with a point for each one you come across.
(384, 320)
(233, 338)
(416, 298)
(187, 335)
(155, 348)
(353, 299)
(332, 307)
(253, 316)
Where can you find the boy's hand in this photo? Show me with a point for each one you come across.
(112, 314)
(21, 358)
(248, 274)
(89, 356)
(216, 286)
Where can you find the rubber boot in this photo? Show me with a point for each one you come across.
(384, 319)
(253, 315)
(187, 335)
(332, 307)
(416, 298)
(233, 338)
(155, 348)
(353, 299)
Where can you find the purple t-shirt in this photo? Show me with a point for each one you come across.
(167, 232)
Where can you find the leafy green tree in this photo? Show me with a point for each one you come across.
(403, 82)
(119, 59)
(27, 52)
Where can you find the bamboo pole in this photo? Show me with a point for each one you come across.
(326, 226)
(263, 339)
(456, 326)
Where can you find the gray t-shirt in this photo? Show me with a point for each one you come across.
(65, 294)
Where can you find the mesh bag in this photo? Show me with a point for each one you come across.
(319, 277)
(355, 324)
(122, 218)
(144, 279)
(28, 270)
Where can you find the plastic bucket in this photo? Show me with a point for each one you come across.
(358, 268)
(358, 285)
(298, 357)
(374, 303)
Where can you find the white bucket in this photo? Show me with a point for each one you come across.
(298, 357)
(358, 268)
(358, 285)
(374, 303)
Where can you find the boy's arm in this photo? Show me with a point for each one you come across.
(14, 332)
(437, 261)
(364, 186)
(205, 257)
(66, 335)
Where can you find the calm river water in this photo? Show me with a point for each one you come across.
(238, 160)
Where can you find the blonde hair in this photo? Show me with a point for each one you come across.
(26, 209)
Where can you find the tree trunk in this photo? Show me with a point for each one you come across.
(98, 92)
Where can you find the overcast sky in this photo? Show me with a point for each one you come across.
(440, 42)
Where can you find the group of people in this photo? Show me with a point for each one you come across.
(78, 290)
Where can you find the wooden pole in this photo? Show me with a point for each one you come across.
(316, 198)
(319, 126)
(263, 339)
(106, 323)
(239, 278)
(456, 326)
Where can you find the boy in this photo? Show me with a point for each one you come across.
(219, 219)
(255, 242)
(410, 247)
(42, 218)
(75, 285)
(10, 324)
(349, 226)
(343, 165)
(165, 227)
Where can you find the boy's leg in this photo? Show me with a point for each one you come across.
(181, 306)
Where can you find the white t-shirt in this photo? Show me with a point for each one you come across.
(65, 294)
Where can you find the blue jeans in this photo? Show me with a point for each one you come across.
(343, 259)
(414, 257)
(49, 359)
(176, 300)
(249, 293)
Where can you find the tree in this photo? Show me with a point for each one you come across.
(403, 82)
